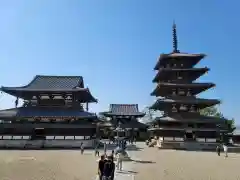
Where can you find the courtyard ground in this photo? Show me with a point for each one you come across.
(149, 163)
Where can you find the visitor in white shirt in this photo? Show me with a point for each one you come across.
(225, 149)
(119, 160)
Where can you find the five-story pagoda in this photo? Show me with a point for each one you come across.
(182, 122)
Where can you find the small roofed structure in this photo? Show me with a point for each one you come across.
(181, 123)
(124, 116)
(123, 110)
(53, 107)
(236, 136)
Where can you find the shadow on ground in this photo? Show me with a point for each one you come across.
(126, 172)
(132, 147)
(143, 162)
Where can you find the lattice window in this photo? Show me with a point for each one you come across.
(174, 109)
(174, 92)
(193, 108)
(181, 92)
(189, 93)
(183, 107)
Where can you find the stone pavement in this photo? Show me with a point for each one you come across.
(126, 173)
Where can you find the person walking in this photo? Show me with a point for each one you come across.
(119, 161)
(82, 148)
(218, 150)
(113, 168)
(109, 169)
(105, 148)
(112, 154)
(96, 150)
(101, 163)
(225, 149)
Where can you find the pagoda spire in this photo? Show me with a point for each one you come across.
(175, 41)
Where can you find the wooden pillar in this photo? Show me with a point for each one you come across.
(87, 106)
(97, 130)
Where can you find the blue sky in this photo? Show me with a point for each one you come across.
(114, 45)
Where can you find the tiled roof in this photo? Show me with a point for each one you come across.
(44, 112)
(174, 55)
(188, 118)
(55, 82)
(192, 58)
(163, 102)
(123, 123)
(132, 124)
(49, 84)
(124, 110)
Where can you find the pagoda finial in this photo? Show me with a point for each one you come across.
(175, 41)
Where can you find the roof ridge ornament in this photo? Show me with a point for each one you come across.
(175, 41)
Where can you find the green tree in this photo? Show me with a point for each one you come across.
(211, 111)
(214, 112)
(231, 125)
(150, 115)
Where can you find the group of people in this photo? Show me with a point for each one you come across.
(225, 149)
(106, 166)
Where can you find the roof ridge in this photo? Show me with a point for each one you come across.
(126, 104)
(57, 76)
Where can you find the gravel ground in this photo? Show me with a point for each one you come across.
(150, 163)
(155, 164)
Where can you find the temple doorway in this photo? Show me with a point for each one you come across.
(189, 136)
(38, 134)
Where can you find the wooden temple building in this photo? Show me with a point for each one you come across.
(124, 116)
(235, 136)
(182, 126)
(52, 114)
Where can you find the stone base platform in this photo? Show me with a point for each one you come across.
(46, 144)
(201, 146)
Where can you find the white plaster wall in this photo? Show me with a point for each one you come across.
(211, 140)
(200, 139)
(69, 143)
(47, 143)
(34, 144)
(13, 143)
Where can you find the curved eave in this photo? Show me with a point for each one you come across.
(90, 98)
(110, 114)
(133, 125)
(194, 58)
(105, 124)
(23, 89)
(195, 88)
(183, 129)
(197, 119)
(162, 104)
(26, 125)
(25, 112)
(164, 73)
(24, 92)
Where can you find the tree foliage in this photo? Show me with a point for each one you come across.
(150, 115)
(214, 112)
